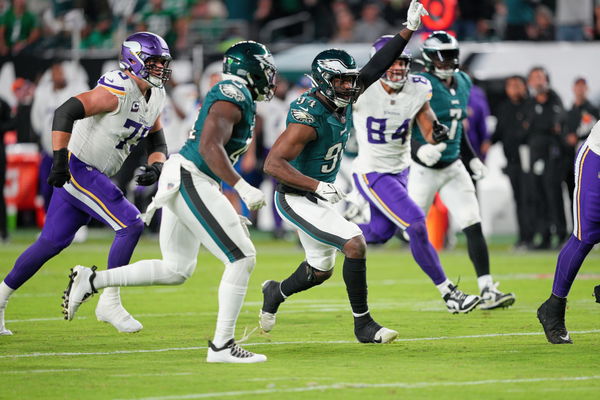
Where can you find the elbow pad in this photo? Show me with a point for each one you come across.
(66, 115)
(155, 142)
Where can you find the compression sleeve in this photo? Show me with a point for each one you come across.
(381, 61)
(66, 115)
(156, 142)
(466, 150)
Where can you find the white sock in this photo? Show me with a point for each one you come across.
(484, 281)
(111, 295)
(444, 287)
(5, 292)
(141, 273)
(232, 291)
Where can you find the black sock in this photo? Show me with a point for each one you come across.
(557, 302)
(355, 277)
(301, 279)
(478, 250)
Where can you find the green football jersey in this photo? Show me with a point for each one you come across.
(450, 107)
(320, 159)
(238, 94)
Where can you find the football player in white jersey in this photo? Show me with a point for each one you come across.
(92, 134)
(383, 117)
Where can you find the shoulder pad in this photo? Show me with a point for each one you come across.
(114, 82)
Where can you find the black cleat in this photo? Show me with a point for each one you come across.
(367, 330)
(597, 293)
(272, 298)
(552, 317)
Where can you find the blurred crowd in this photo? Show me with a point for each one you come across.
(34, 25)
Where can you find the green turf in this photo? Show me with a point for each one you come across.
(312, 352)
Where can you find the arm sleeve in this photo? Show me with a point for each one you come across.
(381, 61)
(466, 150)
(66, 115)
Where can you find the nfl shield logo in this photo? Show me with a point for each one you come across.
(135, 106)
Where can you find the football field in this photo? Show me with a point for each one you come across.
(500, 354)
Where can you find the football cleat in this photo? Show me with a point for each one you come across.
(80, 289)
(459, 302)
(272, 298)
(3, 330)
(552, 318)
(116, 315)
(371, 331)
(597, 293)
(492, 298)
(231, 352)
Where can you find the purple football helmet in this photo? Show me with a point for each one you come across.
(142, 53)
(393, 77)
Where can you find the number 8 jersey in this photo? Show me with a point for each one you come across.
(383, 122)
(320, 159)
(105, 140)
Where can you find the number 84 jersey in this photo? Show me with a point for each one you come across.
(105, 140)
(383, 123)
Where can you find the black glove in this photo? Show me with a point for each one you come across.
(150, 175)
(59, 174)
(440, 132)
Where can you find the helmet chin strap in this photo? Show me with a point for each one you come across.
(394, 85)
(155, 81)
(443, 73)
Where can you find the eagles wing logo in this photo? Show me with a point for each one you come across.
(302, 116)
(232, 92)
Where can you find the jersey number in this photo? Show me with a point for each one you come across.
(133, 139)
(376, 130)
(455, 114)
(333, 155)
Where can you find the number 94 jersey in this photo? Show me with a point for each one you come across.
(383, 122)
(320, 159)
(105, 140)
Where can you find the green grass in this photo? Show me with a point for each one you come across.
(312, 352)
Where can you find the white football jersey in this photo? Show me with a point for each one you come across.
(105, 140)
(594, 139)
(383, 123)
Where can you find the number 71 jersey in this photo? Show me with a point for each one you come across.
(383, 122)
(105, 140)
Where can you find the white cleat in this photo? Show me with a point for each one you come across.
(231, 352)
(116, 315)
(266, 320)
(5, 332)
(385, 335)
(79, 290)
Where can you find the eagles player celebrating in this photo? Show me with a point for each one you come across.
(195, 211)
(92, 134)
(305, 160)
(383, 117)
(438, 167)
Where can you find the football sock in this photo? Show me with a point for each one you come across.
(444, 287)
(424, 253)
(5, 292)
(232, 291)
(569, 261)
(478, 250)
(484, 281)
(355, 277)
(123, 244)
(301, 279)
(141, 273)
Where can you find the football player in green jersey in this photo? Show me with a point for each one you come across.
(438, 167)
(305, 160)
(195, 212)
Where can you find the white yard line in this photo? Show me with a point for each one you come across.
(40, 371)
(346, 386)
(303, 342)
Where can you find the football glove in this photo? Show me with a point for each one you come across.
(429, 154)
(478, 169)
(252, 196)
(59, 174)
(330, 192)
(414, 14)
(440, 132)
(150, 175)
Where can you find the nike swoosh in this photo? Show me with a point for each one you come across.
(303, 109)
(110, 80)
(565, 337)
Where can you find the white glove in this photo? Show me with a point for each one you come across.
(252, 196)
(430, 154)
(330, 192)
(414, 14)
(478, 168)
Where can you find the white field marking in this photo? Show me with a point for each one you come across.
(346, 386)
(304, 342)
(40, 371)
(154, 374)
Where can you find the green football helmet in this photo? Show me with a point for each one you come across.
(331, 64)
(440, 54)
(253, 63)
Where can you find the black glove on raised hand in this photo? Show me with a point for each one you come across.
(59, 174)
(150, 175)
(440, 132)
